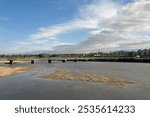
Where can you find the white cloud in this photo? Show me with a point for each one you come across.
(89, 17)
(127, 29)
(53, 31)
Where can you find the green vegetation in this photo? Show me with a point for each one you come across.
(145, 54)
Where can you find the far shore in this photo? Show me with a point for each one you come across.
(6, 71)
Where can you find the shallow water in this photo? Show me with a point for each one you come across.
(31, 86)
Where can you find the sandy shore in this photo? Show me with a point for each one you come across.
(62, 74)
(6, 71)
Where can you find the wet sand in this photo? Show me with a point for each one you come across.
(62, 74)
(6, 71)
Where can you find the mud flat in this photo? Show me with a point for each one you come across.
(6, 71)
(62, 74)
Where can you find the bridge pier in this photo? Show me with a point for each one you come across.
(63, 61)
(75, 60)
(32, 61)
(10, 62)
(49, 61)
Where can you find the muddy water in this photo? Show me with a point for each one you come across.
(31, 86)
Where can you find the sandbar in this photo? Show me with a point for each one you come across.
(6, 71)
(62, 74)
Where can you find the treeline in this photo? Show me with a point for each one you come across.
(138, 54)
(22, 56)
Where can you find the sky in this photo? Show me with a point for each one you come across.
(73, 26)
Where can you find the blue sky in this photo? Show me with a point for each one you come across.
(26, 16)
(77, 25)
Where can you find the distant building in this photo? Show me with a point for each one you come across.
(96, 55)
(137, 56)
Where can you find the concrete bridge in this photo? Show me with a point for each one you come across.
(92, 59)
(33, 61)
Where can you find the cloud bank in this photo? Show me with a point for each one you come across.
(125, 28)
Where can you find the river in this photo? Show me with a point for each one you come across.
(29, 86)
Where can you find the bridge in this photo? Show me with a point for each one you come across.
(33, 61)
(92, 59)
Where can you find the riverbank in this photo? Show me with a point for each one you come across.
(137, 60)
(62, 74)
(6, 71)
